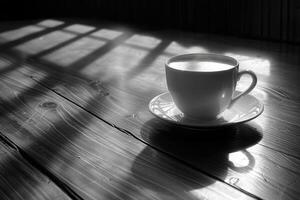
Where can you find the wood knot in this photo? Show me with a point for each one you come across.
(49, 105)
(99, 87)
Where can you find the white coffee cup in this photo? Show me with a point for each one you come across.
(202, 85)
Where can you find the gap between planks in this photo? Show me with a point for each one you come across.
(148, 144)
(59, 183)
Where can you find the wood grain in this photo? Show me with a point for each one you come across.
(94, 159)
(129, 112)
(122, 79)
(19, 180)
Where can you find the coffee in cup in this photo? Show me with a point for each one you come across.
(202, 85)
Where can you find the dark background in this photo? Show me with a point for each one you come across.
(277, 20)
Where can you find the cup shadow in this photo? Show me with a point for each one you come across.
(166, 177)
(200, 158)
(204, 149)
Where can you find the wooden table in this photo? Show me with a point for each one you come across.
(74, 119)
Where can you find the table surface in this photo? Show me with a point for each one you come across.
(74, 119)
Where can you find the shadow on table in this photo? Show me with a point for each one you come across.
(205, 150)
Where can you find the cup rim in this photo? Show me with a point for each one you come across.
(236, 63)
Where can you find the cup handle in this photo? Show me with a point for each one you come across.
(252, 85)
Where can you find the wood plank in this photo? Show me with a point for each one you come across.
(19, 180)
(260, 179)
(96, 160)
(121, 97)
(143, 125)
(146, 83)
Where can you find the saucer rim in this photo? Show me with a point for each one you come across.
(207, 125)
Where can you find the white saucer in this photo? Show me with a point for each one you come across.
(246, 108)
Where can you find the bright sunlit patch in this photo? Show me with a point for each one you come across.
(79, 28)
(44, 42)
(50, 23)
(260, 94)
(19, 33)
(198, 194)
(244, 83)
(175, 48)
(73, 52)
(143, 41)
(215, 190)
(107, 34)
(239, 159)
(11, 62)
(196, 49)
(116, 62)
(23, 85)
(257, 64)
(4, 63)
(152, 75)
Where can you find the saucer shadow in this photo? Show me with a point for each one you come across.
(196, 159)
(205, 149)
